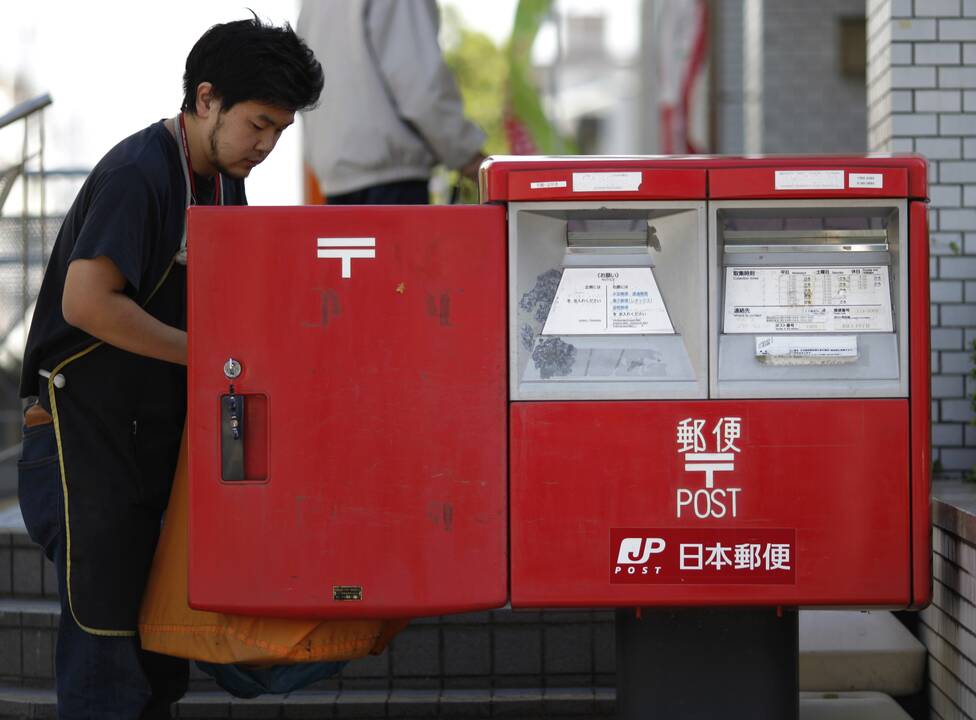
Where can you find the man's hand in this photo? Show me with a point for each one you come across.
(94, 301)
(470, 168)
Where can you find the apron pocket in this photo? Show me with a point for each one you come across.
(39, 486)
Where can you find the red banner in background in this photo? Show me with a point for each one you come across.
(682, 61)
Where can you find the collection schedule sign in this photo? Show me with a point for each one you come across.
(807, 300)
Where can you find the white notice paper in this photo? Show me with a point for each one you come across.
(607, 181)
(803, 300)
(805, 346)
(608, 301)
(809, 179)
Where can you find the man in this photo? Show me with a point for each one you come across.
(106, 351)
(394, 110)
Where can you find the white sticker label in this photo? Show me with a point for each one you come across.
(865, 180)
(548, 184)
(799, 300)
(798, 346)
(809, 179)
(607, 181)
(607, 301)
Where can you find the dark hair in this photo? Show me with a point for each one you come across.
(249, 60)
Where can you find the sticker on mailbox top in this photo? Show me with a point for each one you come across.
(712, 555)
(546, 184)
(874, 181)
(606, 181)
(809, 179)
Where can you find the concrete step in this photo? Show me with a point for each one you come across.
(867, 651)
(459, 703)
(849, 706)
(24, 571)
(839, 651)
(551, 703)
(473, 650)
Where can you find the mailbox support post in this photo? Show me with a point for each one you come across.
(707, 663)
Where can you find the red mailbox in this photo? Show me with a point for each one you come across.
(619, 382)
(746, 422)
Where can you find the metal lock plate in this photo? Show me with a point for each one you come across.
(232, 437)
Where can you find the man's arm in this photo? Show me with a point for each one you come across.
(94, 301)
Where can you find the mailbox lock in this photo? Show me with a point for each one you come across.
(232, 368)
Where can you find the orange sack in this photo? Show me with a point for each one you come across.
(169, 626)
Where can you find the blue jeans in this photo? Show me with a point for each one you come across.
(98, 677)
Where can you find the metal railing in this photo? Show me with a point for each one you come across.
(30, 171)
(24, 244)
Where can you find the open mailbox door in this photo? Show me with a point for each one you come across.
(347, 410)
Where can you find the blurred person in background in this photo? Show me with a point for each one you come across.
(394, 109)
(104, 369)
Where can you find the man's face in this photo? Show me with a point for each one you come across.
(245, 135)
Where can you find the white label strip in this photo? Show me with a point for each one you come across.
(607, 301)
(805, 300)
(866, 180)
(801, 346)
(347, 242)
(809, 179)
(343, 252)
(607, 181)
(548, 184)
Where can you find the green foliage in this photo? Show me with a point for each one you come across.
(523, 93)
(481, 69)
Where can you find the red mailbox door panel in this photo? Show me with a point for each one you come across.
(371, 342)
(782, 502)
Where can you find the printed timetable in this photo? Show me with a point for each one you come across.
(807, 299)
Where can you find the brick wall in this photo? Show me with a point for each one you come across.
(922, 98)
(809, 105)
(727, 75)
(778, 80)
(948, 626)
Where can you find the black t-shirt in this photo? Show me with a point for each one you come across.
(131, 209)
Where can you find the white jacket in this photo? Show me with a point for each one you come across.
(390, 109)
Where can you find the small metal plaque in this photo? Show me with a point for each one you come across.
(347, 592)
(231, 442)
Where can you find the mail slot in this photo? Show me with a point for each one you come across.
(606, 300)
(618, 382)
(811, 299)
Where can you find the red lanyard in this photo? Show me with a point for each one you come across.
(218, 189)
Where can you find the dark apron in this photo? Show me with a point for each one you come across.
(118, 422)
